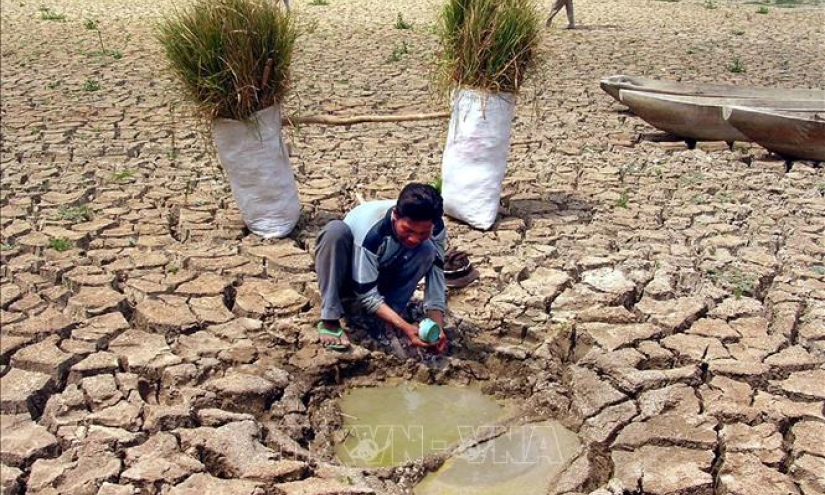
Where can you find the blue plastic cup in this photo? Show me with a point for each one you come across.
(429, 331)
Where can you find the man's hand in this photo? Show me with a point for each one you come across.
(437, 316)
(411, 331)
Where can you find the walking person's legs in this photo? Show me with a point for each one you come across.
(333, 264)
(571, 24)
(555, 10)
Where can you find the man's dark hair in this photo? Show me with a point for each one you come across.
(420, 202)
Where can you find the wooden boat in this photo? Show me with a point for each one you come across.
(790, 134)
(613, 84)
(698, 118)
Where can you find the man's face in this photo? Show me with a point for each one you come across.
(411, 233)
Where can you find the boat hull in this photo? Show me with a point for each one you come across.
(794, 135)
(614, 84)
(701, 118)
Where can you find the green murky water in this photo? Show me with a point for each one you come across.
(390, 425)
(526, 460)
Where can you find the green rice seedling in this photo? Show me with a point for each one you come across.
(669, 1)
(398, 52)
(736, 66)
(232, 56)
(711, 5)
(91, 85)
(762, 10)
(489, 45)
(122, 175)
(623, 201)
(47, 14)
(60, 244)
(319, 3)
(74, 214)
(400, 23)
(737, 32)
(90, 24)
(6, 246)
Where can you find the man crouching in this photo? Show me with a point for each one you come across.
(377, 255)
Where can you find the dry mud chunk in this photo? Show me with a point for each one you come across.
(124, 414)
(94, 364)
(747, 370)
(101, 391)
(157, 460)
(282, 256)
(669, 429)
(75, 472)
(143, 353)
(546, 284)
(210, 310)
(10, 344)
(45, 357)
(633, 380)
(581, 297)
(207, 284)
(201, 483)
(611, 281)
(318, 486)
(100, 330)
(763, 440)
(794, 358)
(158, 418)
(673, 314)
(591, 393)
(168, 316)
(675, 399)
(24, 441)
(66, 408)
(10, 480)
(744, 474)
(95, 301)
(240, 392)
(780, 408)
(612, 337)
(259, 297)
(218, 417)
(806, 384)
(199, 345)
(49, 322)
(112, 489)
(24, 392)
(809, 437)
(599, 428)
(664, 470)
(809, 472)
(737, 307)
(240, 328)
(694, 348)
(235, 451)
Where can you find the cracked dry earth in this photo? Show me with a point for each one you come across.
(666, 304)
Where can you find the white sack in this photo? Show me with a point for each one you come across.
(475, 157)
(257, 164)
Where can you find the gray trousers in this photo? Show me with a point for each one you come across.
(333, 264)
(568, 7)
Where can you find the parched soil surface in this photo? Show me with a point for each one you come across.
(667, 304)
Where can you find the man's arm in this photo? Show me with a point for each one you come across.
(435, 294)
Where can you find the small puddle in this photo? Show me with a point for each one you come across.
(525, 460)
(390, 425)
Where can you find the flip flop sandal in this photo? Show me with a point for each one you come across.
(340, 346)
(463, 280)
